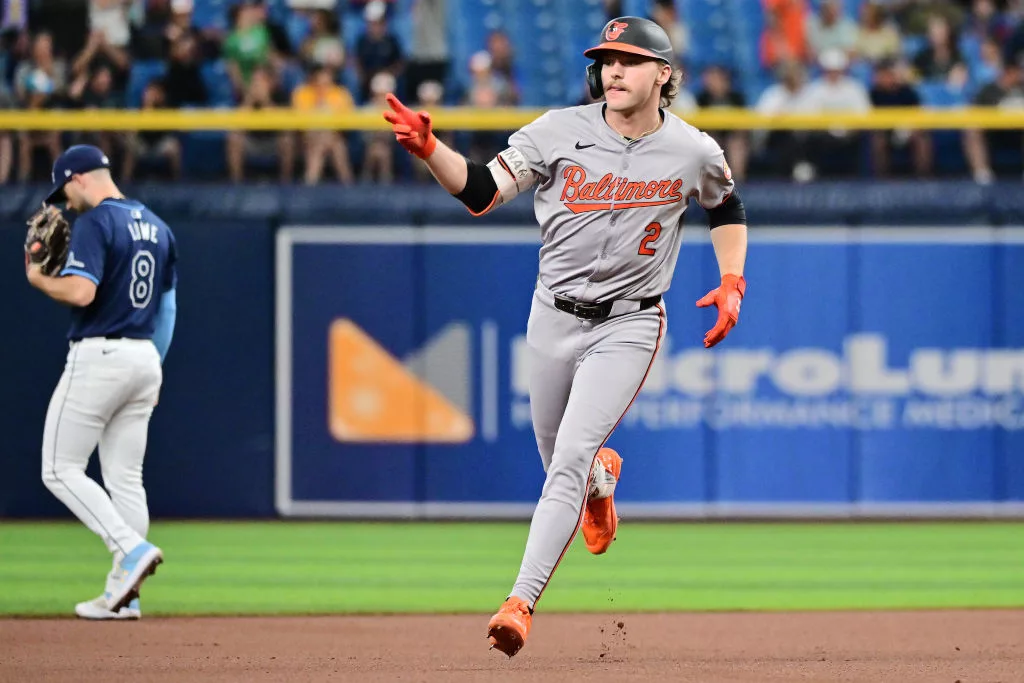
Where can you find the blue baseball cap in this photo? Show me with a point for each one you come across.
(76, 159)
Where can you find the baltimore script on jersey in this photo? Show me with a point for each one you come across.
(578, 189)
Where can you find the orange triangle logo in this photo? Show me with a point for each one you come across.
(372, 397)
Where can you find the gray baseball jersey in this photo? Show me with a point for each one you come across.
(611, 216)
(611, 210)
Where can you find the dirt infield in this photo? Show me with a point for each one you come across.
(933, 646)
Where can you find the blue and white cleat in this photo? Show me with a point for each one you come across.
(125, 581)
(97, 610)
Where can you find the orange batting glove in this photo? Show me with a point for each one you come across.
(726, 298)
(412, 129)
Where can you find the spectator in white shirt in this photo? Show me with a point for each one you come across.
(784, 150)
(789, 95)
(837, 149)
(835, 90)
(110, 17)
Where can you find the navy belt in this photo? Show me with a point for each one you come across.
(106, 336)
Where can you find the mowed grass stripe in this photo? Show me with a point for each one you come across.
(333, 567)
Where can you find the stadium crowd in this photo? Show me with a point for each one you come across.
(813, 56)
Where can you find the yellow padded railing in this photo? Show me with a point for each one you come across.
(459, 118)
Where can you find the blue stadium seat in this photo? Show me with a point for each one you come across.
(218, 83)
(862, 72)
(401, 23)
(210, 14)
(911, 45)
(754, 84)
(469, 25)
(948, 151)
(352, 26)
(533, 27)
(348, 79)
(582, 26)
(296, 26)
(636, 8)
(139, 76)
(292, 76)
(720, 33)
(938, 94)
(981, 75)
(203, 154)
(970, 48)
(278, 10)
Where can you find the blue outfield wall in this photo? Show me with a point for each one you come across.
(211, 438)
(876, 369)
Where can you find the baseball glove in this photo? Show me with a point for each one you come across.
(46, 243)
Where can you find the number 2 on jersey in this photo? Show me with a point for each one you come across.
(141, 288)
(653, 232)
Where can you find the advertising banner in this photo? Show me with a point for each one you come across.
(873, 372)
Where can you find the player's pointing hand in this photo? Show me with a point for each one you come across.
(412, 129)
(726, 298)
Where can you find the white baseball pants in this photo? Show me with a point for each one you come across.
(104, 397)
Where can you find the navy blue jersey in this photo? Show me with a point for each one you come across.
(131, 255)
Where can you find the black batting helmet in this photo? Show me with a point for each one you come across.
(634, 35)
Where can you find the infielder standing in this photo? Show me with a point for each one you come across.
(119, 278)
(613, 180)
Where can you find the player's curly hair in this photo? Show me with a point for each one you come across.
(671, 88)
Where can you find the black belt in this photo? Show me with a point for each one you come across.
(596, 311)
(106, 336)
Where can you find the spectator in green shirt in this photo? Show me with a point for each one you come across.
(249, 45)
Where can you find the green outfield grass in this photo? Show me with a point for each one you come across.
(323, 567)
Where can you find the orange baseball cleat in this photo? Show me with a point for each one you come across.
(508, 629)
(599, 520)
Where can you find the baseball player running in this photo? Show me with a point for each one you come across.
(119, 279)
(612, 183)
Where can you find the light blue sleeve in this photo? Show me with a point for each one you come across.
(164, 330)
